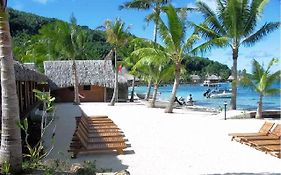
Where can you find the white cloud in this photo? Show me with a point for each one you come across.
(41, 1)
(191, 5)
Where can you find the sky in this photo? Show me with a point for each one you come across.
(93, 13)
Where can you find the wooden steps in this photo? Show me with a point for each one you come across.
(97, 134)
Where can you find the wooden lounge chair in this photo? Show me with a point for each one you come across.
(259, 143)
(97, 135)
(264, 130)
(275, 134)
(274, 150)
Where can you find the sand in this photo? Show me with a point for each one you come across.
(184, 142)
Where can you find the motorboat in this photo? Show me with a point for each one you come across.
(208, 83)
(218, 93)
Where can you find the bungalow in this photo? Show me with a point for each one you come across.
(213, 78)
(195, 78)
(95, 79)
(27, 79)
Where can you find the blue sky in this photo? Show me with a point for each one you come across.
(93, 13)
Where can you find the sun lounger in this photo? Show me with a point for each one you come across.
(264, 130)
(97, 134)
(258, 143)
(274, 150)
(275, 134)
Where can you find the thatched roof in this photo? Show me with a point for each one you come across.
(24, 73)
(90, 72)
(213, 77)
(195, 77)
(230, 77)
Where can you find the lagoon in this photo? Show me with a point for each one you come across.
(246, 98)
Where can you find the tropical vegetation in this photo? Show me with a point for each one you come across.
(233, 25)
(176, 45)
(156, 6)
(261, 80)
(117, 35)
(153, 61)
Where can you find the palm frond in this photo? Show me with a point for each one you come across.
(205, 31)
(217, 42)
(211, 19)
(258, 70)
(175, 25)
(190, 42)
(254, 11)
(166, 35)
(136, 4)
(272, 91)
(262, 32)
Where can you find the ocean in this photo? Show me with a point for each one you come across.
(246, 98)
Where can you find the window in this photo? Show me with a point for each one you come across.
(87, 87)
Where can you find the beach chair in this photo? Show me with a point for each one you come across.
(264, 130)
(275, 134)
(260, 143)
(274, 150)
(96, 135)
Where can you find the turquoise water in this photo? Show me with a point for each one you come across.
(246, 98)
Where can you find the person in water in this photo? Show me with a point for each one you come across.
(190, 101)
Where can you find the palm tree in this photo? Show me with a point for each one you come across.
(234, 25)
(11, 148)
(117, 35)
(61, 41)
(156, 6)
(177, 48)
(155, 63)
(261, 81)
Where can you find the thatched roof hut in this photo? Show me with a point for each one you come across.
(213, 77)
(90, 72)
(25, 73)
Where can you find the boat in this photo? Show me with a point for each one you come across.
(208, 83)
(220, 93)
(142, 95)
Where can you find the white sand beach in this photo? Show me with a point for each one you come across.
(184, 142)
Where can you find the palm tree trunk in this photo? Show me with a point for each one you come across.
(148, 90)
(259, 110)
(152, 104)
(133, 90)
(11, 148)
(235, 81)
(75, 83)
(155, 31)
(115, 92)
(169, 108)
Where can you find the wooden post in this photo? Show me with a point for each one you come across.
(21, 84)
(25, 96)
(104, 94)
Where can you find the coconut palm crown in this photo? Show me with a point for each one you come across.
(156, 6)
(117, 35)
(261, 81)
(177, 47)
(233, 24)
